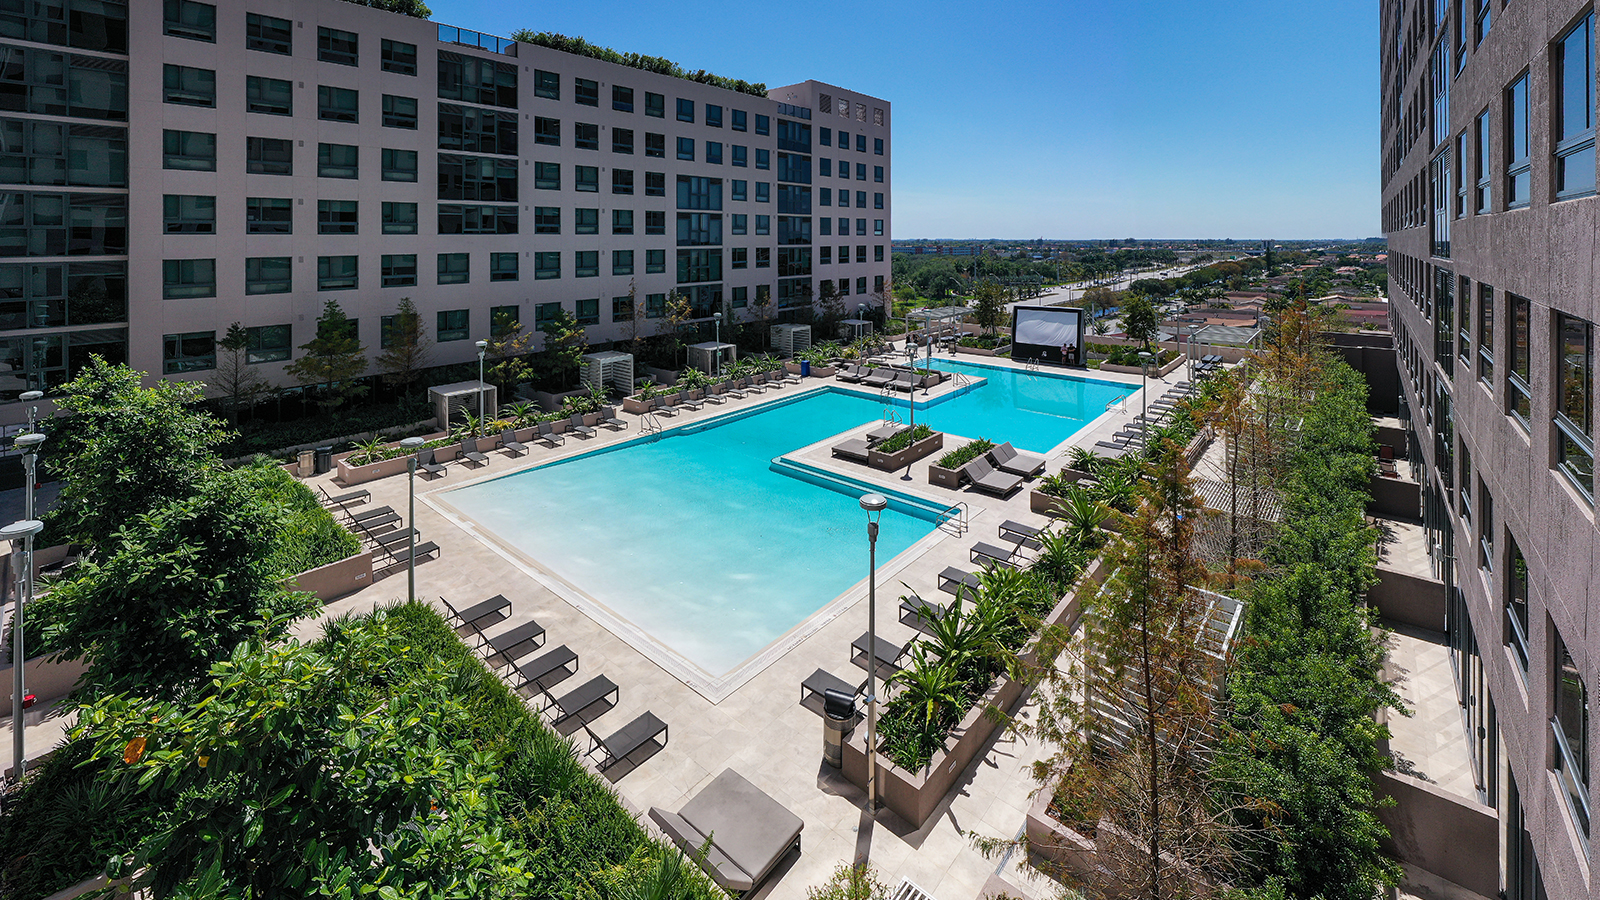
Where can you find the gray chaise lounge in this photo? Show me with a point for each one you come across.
(630, 737)
(984, 477)
(854, 448)
(749, 831)
(1015, 462)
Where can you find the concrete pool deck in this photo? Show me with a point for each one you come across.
(759, 728)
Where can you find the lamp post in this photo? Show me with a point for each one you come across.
(861, 314)
(483, 411)
(874, 504)
(1144, 394)
(25, 530)
(411, 445)
(31, 398)
(717, 318)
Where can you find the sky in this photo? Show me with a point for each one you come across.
(1069, 119)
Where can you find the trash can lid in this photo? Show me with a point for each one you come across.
(838, 705)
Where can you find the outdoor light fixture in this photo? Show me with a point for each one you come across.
(23, 531)
(483, 412)
(874, 504)
(717, 318)
(411, 445)
(1144, 395)
(30, 398)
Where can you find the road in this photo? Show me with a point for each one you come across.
(1060, 295)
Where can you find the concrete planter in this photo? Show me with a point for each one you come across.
(353, 475)
(1042, 503)
(48, 678)
(945, 478)
(1076, 475)
(1135, 370)
(983, 351)
(823, 371)
(337, 579)
(889, 462)
(793, 368)
(551, 402)
(636, 406)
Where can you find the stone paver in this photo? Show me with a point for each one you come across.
(1431, 743)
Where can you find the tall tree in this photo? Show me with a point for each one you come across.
(508, 349)
(679, 312)
(1140, 321)
(831, 308)
(636, 318)
(238, 383)
(564, 346)
(761, 309)
(409, 347)
(125, 449)
(988, 305)
(334, 359)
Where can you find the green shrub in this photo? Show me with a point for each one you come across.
(966, 453)
(905, 438)
(310, 537)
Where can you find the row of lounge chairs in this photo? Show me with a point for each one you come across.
(574, 709)
(378, 526)
(880, 378)
(473, 451)
(1134, 436)
(1207, 364)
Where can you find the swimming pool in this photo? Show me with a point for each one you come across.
(699, 541)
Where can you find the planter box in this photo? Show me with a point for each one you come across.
(1135, 370)
(793, 368)
(823, 371)
(888, 462)
(984, 351)
(552, 402)
(352, 475)
(1076, 475)
(945, 478)
(334, 580)
(1043, 503)
(636, 406)
(915, 796)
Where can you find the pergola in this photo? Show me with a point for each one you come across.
(938, 317)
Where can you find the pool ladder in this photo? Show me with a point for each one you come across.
(891, 415)
(955, 517)
(649, 423)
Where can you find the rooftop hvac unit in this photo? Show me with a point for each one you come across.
(789, 340)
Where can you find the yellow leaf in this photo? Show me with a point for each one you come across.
(134, 751)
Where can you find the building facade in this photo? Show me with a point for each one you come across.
(1489, 205)
(171, 167)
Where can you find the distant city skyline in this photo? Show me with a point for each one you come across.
(1070, 119)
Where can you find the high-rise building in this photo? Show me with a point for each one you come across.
(173, 166)
(1490, 209)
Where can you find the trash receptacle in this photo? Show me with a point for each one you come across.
(805, 368)
(305, 464)
(839, 717)
(324, 459)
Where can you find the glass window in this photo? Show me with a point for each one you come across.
(622, 221)
(763, 224)
(739, 297)
(190, 19)
(713, 116)
(877, 201)
(826, 225)
(268, 156)
(268, 343)
(585, 136)
(186, 278)
(740, 155)
(714, 152)
(861, 199)
(547, 176)
(1518, 391)
(336, 217)
(685, 110)
(861, 171)
(763, 124)
(655, 105)
(546, 84)
(195, 351)
(337, 273)
(825, 257)
(622, 262)
(547, 220)
(655, 145)
(399, 57)
(268, 215)
(501, 318)
(189, 214)
(824, 196)
(1574, 417)
(740, 189)
(1574, 110)
(655, 262)
(267, 275)
(588, 311)
(1516, 626)
(585, 92)
(188, 86)
(1481, 172)
(861, 253)
(763, 158)
(621, 181)
(763, 191)
(1517, 165)
(621, 309)
(338, 161)
(545, 312)
(399, 165)
(586, 221)
(586, 264)
(268, 34)
(861, 142)
(877, 149)
(453, 268)
(399, 218)
(738, 120)
(546, 265)
(740, 224)
(686, 148)
(739, 258)
(194, 151)
(337, 46)
(586, 178)
(621, 98)
(269, 96)
(1486, 335)
(622, 140)
(655, 184)
(451, 325)
(336, 104)
(398, 270)
(399, 112)
(861, 226)
(1570, 723)
(655, 222)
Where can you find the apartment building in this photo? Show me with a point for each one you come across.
(1490, 209)
(174, 166)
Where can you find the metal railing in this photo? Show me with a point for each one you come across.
(1119, 403)
(466, 37)
(956, 516)
(649, 423)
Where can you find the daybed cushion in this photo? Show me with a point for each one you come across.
(752, 830)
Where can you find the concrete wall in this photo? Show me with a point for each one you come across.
(47, 678)
(334, 580)
(1408, 599)
(1434, 830)
(1395, 498)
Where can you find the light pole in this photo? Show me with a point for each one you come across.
(717, 318)
(483, 411)
(411, 445)
(874, 504)
(861, 313)
(1144, 394)
(1194, 329)
(25, 530)
(30, 398)
(29, 445)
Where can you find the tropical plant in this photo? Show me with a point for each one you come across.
(930, 691)
(1083, 459)
(965, 453)
(1061, 557)
(466, 425)
(905, 438)
(1084, 517)
(850, 882)
(523, 414)
(565, 342)
(368, 452)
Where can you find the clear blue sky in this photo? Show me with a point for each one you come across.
(1064, 119)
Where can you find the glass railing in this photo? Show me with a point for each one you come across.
(465, 37)
(1573, 785)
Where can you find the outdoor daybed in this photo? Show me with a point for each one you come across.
(749, 831)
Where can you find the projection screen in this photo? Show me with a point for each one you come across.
(1049, 333)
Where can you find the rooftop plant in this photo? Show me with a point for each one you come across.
(656, 64)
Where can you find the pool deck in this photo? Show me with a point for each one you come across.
(759, 728)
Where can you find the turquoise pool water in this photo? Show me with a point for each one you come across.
(697, 539)
(1033, 410)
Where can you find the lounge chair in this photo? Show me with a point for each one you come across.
(539, 671)
(548, 437)
(626, 739)
(359, 516)
(887, 653)
(571, 704)
(576, 426)
(426, 465)
(748, 831)
(984, 477)
(788, 377)
(884, 432)
(1018, 532)
(918, 610)
(1015, 462)
(496, 607)
(608, 418)
(982, 552)
(904, 381)
(509, 443)
(878, 379)
(1114, 446)
(667, 405)
(736, 388)
(755, 383)
(854, 448)
(690, 403)
(714, 397)
(822, 681)
(394, 541)
(851, 374)
(352, 497)
(425, 549)
(469, 452)
(529, 634)
(955, 582)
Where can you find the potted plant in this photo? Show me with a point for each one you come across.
(947, 472)
(905, 448)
